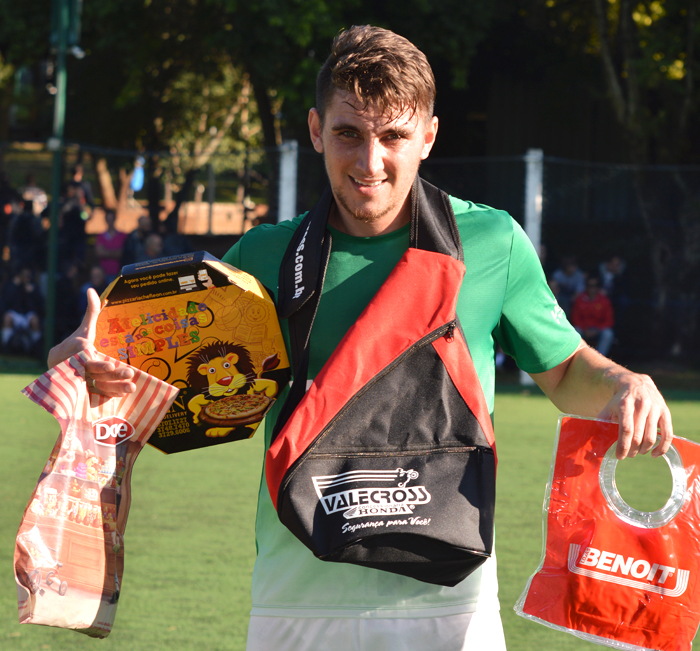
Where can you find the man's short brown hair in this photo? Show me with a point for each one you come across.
(381, 69)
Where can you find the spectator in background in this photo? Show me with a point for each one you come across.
(9, 202)
(9, 197)
(593, 317)
(98, 281)
(153, 248)
(134, 244)
(556, 290)
(83, 189)
(24, 237)
(32, 192)
(614, 281)
(611, 273)
(21, 321)
(174, 242)
(571, 281)
(109, 247)
(67, 317)
(71, 225)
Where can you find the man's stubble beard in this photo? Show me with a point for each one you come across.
(364, 216)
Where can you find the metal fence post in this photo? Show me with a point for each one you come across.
(289, 161)
(534, 163)
(211, 196)
(55, 144)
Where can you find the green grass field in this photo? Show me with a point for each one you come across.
(189, 541)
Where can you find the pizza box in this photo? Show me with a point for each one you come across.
(208, 329)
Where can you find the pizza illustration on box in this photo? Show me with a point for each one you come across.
(229, 392)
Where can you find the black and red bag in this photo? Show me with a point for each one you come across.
(388, 460)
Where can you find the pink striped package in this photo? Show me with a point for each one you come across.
(69, 552)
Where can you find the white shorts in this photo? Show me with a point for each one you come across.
(479, 631)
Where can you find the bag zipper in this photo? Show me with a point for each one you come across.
(446, 331)
(479, 449)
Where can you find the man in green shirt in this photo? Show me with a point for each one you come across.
(374, 124)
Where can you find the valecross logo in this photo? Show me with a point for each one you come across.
(376, 499)
(616, 568)
(112, 430)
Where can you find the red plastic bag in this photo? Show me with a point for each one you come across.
(69, 552)
(611, 574)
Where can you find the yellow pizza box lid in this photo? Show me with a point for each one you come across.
(208, 329)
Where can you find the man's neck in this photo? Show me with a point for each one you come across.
(341, 220)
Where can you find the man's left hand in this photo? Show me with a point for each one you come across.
(588, 384)
(642, 414)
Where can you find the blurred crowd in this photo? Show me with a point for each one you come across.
(83, 261)
(590, 298)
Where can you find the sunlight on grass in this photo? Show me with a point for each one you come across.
(190, 546)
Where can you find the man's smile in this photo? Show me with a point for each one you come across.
(367, 184)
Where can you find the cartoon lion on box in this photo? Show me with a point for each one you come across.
(223, 369)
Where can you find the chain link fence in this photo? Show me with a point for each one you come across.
(648, 217)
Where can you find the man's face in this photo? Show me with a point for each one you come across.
(26, 276)
(371, 162)
(97, 276)
(144, 223)
(154, 245)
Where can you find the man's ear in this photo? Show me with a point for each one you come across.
(315, 130)
(430, 134)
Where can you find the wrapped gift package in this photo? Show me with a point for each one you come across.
(69, 551)
(206, 328)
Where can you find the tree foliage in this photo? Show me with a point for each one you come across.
(647, 53)
(164, 74)
(154, 66)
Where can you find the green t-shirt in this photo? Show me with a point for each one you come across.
(504, 296)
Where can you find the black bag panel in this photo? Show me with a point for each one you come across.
(442, 499)
(383, 463)
(413, 406)
(436, 563)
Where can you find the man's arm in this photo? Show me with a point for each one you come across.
(588, 384)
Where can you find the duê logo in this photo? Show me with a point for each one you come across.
(112, 430)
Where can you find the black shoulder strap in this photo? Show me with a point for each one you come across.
(433, 223)
(303, 270)
(301, 264)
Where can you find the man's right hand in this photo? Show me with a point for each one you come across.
(101, 377)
